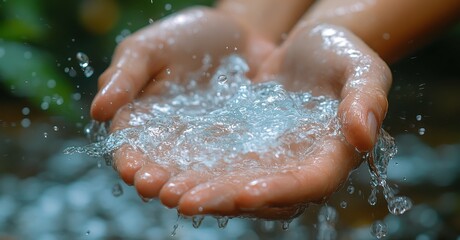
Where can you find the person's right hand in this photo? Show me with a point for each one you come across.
(171, 49)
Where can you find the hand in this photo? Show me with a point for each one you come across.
(323, 59)
(170, 50)
(330, 60)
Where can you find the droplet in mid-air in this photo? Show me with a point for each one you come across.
(117, 190)
(379, 229)
(83, 59)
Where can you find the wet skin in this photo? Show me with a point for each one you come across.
(324, 59)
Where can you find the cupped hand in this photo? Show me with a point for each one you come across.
(330, 60)
(323, 59)
(171, 49)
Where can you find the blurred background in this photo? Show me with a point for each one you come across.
(45, 96)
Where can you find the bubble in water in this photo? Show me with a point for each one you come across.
(222, 79)
(83, 59)
(379, 229)
(343, 204)
(421, 131)
(222, 221)
(197, 220)
(418, 117)
(117, 190)
(399, 205)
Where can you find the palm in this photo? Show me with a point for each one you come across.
(309, 61)
(171, 49)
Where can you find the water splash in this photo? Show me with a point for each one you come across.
(378, 160)
(83, 61)
(195, 124)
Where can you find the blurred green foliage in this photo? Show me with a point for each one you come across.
(39, 41)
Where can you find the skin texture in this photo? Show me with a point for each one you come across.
(172, 49)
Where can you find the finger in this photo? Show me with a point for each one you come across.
(318, 177)
(150, 179)
(135, 63)
(215, 197)
(178, 185)
(364, 104)
(127, 161)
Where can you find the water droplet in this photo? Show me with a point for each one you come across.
(168, 6)
(87, 232)
(88, 71)
(168, 71)
(343, 204)
(83, 59)
(45, 135)
(55, 128)
(379, 229)
(404, 178)
(418, 117)
(372, 200)
(285, 224)
(421, 131)
(117, 190)
(151, 21)
(196, 221)
(350, 189)
(222, 79)
(25, 111)
(176, 225)
(25, 123)
(51, 83)
(222, 222)
(399, 205)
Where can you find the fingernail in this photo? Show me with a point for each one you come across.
(372, 124)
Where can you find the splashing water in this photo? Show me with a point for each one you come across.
(83, 61)
(378, 160)
(198, 124)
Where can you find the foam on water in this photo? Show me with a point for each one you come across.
(227, 120)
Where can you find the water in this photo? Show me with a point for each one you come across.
(379, 229)
(378, 160)
(199, 125)
(83, 61)
(204, 124)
